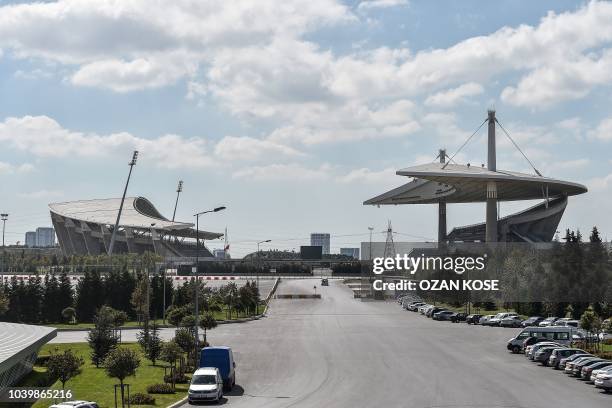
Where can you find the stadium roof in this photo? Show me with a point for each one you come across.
(138, 212)
(457, 183)
(19, 340)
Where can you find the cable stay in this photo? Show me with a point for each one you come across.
(464, 143)
(518, 148)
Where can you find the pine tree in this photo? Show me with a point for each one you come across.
(101, 338)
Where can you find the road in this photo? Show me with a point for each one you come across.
(343, 352)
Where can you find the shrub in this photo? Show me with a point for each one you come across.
(178, 378)
(160, 389)
(42, 360)
(141, 399)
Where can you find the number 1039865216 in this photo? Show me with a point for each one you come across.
(23, 394)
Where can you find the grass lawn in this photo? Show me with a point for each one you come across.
(218, 316)
(94, 385)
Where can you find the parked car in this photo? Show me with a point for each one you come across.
(511, 321)
(565, 361)
(565, 322)
(562, 335)
(473, 318)
(484, 320)
(577, 370)
(544, 353)
(432, 310)
(570, 365)
(558, 354)
(536, 347)
(598, 371)
(586, 371)
(223, 359)
(496, 320)
(206, 385)
(532, 321)
(423, 309)
(414, 306)
(604, 380)
(459, 317)
(324, 282)
(75, 404)
(548, 321)
(443, 315)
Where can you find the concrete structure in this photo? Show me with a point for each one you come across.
(352, 252)
(444, 183)
(320, 239)
(19, 345)
(30, 239)
(85, 227)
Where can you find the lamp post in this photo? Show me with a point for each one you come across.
(114, 236)
(3, 217)
(371, 229)
(196, 290)
(259, 259)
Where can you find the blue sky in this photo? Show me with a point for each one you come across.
(293, 113)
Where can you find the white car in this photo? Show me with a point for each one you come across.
(598, 371)
(206, 385)
(75, 404)
(604, 380)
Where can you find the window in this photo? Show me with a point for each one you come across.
(562, 336)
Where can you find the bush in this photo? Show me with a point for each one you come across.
(178, 378)
(141, 399)
(42, 360)
(160, 389)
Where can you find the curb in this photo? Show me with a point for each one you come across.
(177, 403)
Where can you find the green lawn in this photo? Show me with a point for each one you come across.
(93, 384)
(218, 316)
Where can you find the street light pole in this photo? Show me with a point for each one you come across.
(196, 290)
(114, 236)
(371, 229)
(259, 259)
(4, 217)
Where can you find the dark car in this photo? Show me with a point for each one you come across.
(459, 317)
(473, 318)
(324, 282)
(433, 310)
(443, 315)
(559, 354)
(532, 321)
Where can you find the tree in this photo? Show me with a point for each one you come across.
(65, 293)
(170, 353)
(207, 322)
(184, 339)
(64, 366)
(176, 314)
(155, 344)
(101, 338)
(4, 302)
(139, 298)
(69, 314)
(120, 364)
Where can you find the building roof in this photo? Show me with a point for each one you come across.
(17, 341)
(138, 212)
(457, 183)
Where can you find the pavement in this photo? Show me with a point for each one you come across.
(338, 351)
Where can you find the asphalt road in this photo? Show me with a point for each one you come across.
(343, 352)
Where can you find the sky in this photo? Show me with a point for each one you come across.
(293, 113)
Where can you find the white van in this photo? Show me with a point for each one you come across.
(561, 335)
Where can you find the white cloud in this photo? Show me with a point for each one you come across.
(41, 194)
(454, 96)
(8, 168)
(599, 184)
(283, 172)
(379, 4)
(603, 131)
(365, 175)
(248, 148)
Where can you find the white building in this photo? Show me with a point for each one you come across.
(45, 237)
(30, 239)
(320, 239)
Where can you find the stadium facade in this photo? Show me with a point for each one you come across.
(19, 346)
(85, 228)
(445, 183)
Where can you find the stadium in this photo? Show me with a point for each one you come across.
(445, 183)
(85, 228)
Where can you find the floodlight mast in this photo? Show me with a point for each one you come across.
(179, 189)
(3, 217)
(491, 220)
(114, 236)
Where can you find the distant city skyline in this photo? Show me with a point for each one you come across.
(293, 119)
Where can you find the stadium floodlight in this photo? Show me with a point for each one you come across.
(197, 281)
(3, 217)
(179, 189)
(114, 236)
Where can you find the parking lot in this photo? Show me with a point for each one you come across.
(342, 352)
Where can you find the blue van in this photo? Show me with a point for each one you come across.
(223, 359)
